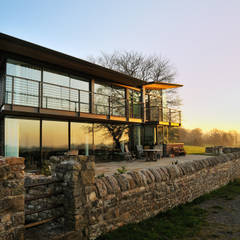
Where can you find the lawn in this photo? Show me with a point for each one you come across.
(194, 149)
(184, 222)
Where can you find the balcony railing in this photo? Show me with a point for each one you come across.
(27, 92)
(158, 114)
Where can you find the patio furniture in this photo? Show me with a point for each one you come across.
(159, 153)
(130, 156)
(176, 149)
(151, 154)
(140, 153)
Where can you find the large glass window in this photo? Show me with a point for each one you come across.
(118, 101)
(82, 138)
(54, 138)
(149, 135)
(135, 104)
(102, 98)
(24, 70)
(55, 78)
(22, 79)
(56, 97)
(103, 142)
(22, 139)
(109, 98)
(82, 85)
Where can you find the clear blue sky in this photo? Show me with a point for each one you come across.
(201, 39)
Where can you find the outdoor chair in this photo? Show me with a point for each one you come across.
(140, 153)
(158, 155)
(130, 156)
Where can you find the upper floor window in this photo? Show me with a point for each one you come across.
(23, 70)
(79, 83)
(56, 78)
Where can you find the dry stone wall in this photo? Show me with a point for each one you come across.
(42, 193)
(137, 195)
(12, 199)
(99, 205)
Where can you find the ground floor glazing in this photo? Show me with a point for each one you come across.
(38, 139)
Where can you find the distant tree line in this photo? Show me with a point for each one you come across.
(197, 137)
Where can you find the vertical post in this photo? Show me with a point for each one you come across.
(41, 151)
(41, 93)
(127, 103)
(143, 104)
(12, 91)
(69, 135)
(92, 83)
(3, 79)
(180, 117)
(169, 117)
(80, 194)
(79, 102)
(109, 106)
(39, 96)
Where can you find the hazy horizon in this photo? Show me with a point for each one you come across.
(200, 38)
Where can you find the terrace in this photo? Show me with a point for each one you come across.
(36, 96)
(109, 168)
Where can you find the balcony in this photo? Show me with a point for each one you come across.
(23, 94)
(163, 115)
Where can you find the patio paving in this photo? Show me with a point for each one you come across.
(109, 168)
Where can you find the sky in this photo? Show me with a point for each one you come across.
(200, 38)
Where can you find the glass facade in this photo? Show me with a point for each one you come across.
(22, 139)
(108, 98)
(22, 79)
(84, 95)
(102, 98)
(59, 91)
(82, 138)
(54, 138)
(135, 104)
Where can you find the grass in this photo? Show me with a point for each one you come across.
(182, 222)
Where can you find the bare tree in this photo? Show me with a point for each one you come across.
(147, 68)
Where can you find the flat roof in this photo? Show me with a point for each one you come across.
(160, 85)
(36, 52)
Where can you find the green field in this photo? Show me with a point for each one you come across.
(194, 149)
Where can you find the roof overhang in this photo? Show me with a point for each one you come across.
(23, 48)
(160, 85)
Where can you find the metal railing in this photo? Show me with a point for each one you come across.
(158, 114)
(28, 92)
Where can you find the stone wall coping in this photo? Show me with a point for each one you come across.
(118, 183)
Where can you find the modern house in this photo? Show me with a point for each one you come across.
(52, 102)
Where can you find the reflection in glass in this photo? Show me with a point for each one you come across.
(102, 98)
(26, 91)
(82, 138)
(103, 142)
(118, 101)
(149, 135)
(22, 139)
(80, 84)
(135, 104)
(54, 138)
(55, 78)
(24, 70)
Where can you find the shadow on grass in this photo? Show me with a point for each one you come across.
(181, 222)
